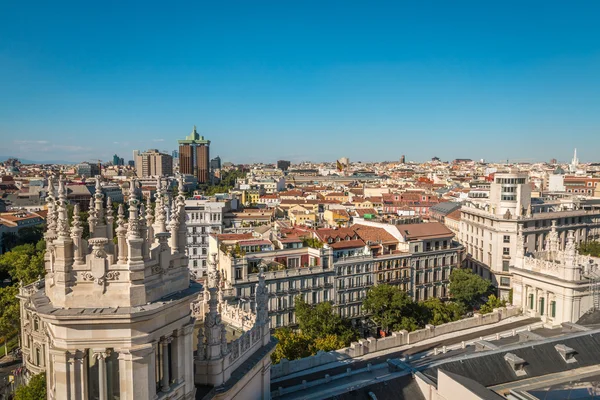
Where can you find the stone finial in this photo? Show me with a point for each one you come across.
(92, 218)
(121, 219)
(149, 213)
(109, 210)
(99, 204)
(63, 217)
(133, 226)
(262, 298)
(224, 349)
(51, 203)
(159, 212)
(76, 228)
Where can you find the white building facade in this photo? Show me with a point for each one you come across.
(488, 227)
(203, 218)
(556, 284)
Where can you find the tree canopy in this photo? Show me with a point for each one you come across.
(467, 287)
(35, 390)
(320, 329)
(590, 248)
(394, 309)
(228, 179)
(24, 263)
(493, 302)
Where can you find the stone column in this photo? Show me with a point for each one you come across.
(100, 355)
(164, 387)
(80, 374)
(136, 373)
(182, 364)
(62, 379)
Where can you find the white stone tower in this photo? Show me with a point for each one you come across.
(112, 318)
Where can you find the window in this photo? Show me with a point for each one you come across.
(506, 239)
(506, 251)
(553, 309)
(204, 251)
(505, 281)
(505, 266)
(238, 273)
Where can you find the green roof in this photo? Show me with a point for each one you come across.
(194, 138)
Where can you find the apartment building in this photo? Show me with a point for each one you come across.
(153, 163)
(416, 257)
(204, 216)
(488, 226)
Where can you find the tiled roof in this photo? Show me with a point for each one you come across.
(431, 230)
(347, 244)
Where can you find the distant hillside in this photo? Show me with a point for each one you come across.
(26, 161)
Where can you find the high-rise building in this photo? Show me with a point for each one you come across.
(283, 165)
(403, 159)
(153, 163)
(87, 169)
(194, 156)
(215, 163)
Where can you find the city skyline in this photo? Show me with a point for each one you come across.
(302, 81)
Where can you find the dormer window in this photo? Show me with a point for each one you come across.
(567, 353)
(516, 363)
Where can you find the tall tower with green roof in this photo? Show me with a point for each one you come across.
(194, 156)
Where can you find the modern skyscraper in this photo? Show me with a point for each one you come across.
(194, 156)
(283, 165)
(215, 163)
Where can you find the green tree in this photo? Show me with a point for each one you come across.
(591, 248)
(389, 305)
(493, 302)
(467, 287)
(35, 390)
(439, 312)
(9, 311)
(9, 240)
(312, 242)
(328, 343)
(24, 263)
(291, 345)
(320, 320)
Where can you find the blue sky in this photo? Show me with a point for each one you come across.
(301, 80)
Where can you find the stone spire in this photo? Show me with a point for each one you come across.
(212, 325)
(182, 230)
(159, 212)
(262, 299)
(51, 220)
(174, 227)
(520, 243)
(76, 233)
(552, 241)
(109, 218)
(63, 217)
(150, 221)
(92, 219)
(98, 196)
(144, 232)
(121, 232)
(133, 230)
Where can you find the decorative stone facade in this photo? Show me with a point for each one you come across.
(557, 283)
(111, 319)
(217, 358)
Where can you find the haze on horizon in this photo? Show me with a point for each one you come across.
(301, 80)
